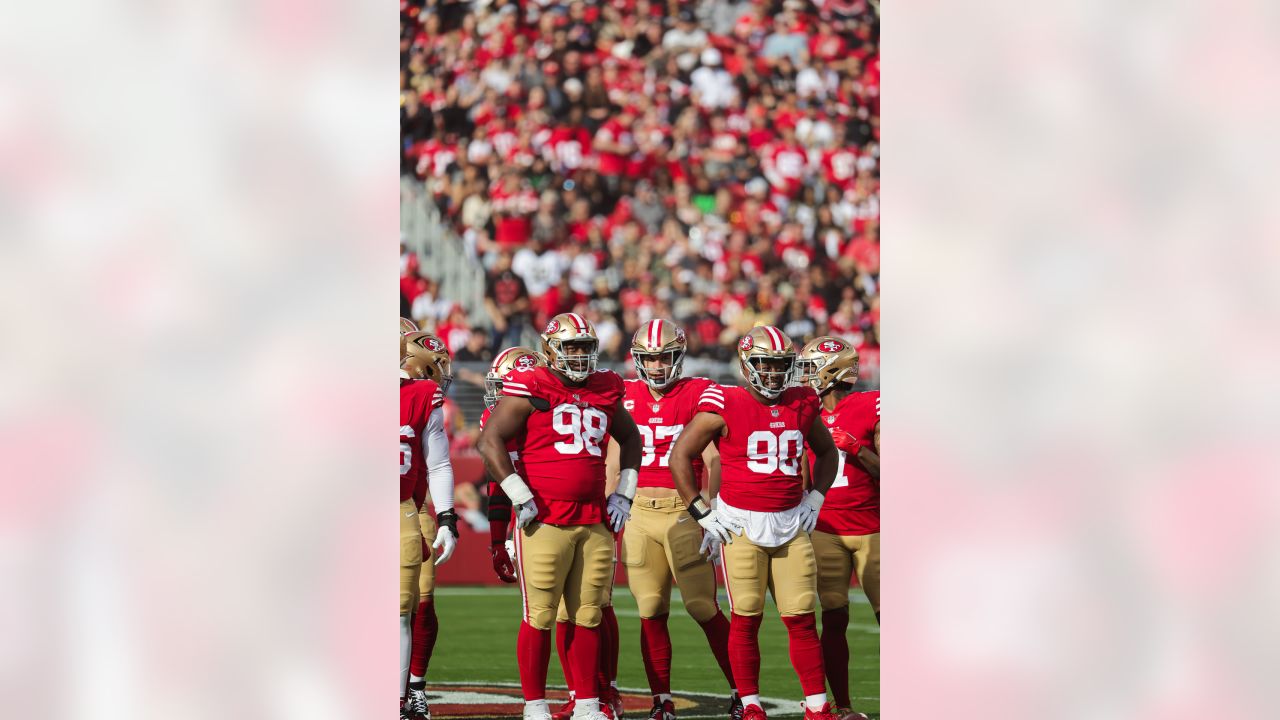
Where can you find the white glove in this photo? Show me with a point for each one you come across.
(720, 526)
(711, 548)
(809, 510)
(445, 542)
(619, 511)
(526, 512)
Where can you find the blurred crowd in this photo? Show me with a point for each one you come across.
(716, 163)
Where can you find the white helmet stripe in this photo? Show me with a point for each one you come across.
(497, 362)
(655, 333)
(578, 323)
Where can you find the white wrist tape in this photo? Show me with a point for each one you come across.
(516, 489)
(628, 479)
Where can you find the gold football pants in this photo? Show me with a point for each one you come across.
(569, 562)
(788, 571)
(840, 555)
(410, 555)
(660, 544)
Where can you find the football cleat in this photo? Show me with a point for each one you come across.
(825, 361)
(847, 714)
(735, 707)
(823, 714)
(611, 702)
(755, 712)
(565, 712)
(571, 329)
(508, 360)
(417, 704)
(767, 359)
(423, 355)
(664, 340)
(665, 710)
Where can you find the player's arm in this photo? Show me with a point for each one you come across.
(871, 460)
(611, 467)
(508, 417)
(624, 432)
(435, 446)
(693, 441)
(826, 460)
(711, 459)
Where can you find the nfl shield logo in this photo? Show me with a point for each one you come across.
(774, 412)
(831, 419)
(655, 407)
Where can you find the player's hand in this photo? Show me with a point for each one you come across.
(711, 548)
(619, 511)
(844, 441)
(809, 509)
(721, 527)
(446, 535)
(502, 564)
(526, 512)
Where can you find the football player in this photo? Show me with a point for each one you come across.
(847, 538)
(499, 520)
(658, 546)
(424, 466)
(761, 431)
(563, 548)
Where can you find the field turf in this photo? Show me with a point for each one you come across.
(478, 640)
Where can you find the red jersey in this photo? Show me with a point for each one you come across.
(760, 452)
(417, 399)
(660, 422)
(852, 506)
(564, 442)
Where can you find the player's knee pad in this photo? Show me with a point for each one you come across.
(833, 600)
(700, 609)
(652, 605)
(587, 616)
(540, 618)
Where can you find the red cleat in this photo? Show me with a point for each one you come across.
(611, 703)
(666, 710)
(824, 714)
(755, 712)
(565, 712)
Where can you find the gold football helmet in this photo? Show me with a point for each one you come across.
(508, 360)
(565, 333)
(423, 355)
(825, 361)
(665, 341)
(407, 326)
(768, 360)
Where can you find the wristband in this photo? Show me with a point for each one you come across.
(628, 479)
(448, 519)
(516, 489)
(698, 508)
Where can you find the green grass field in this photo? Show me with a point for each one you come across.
(478, 640)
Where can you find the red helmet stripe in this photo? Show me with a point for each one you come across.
(655, 333)
(774, 337)
(578, 323)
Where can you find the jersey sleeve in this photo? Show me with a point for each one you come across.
(521, 382)
(711, 400)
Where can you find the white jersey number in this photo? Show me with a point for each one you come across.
(406, 450)
(584, 427)
(651, 435)
(768, 452)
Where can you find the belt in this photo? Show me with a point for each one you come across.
(667, 503)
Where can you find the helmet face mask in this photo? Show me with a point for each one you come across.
(667, 371)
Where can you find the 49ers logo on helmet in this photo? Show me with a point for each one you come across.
(746, 343)
(831, 346)
(553, 326)
(525, 361)
(433, 344)
(679, 335)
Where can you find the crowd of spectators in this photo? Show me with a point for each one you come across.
(716, 163)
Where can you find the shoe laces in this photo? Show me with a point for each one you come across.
(418, 702)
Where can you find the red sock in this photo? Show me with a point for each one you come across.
(608, 647)
(584, 656)
(655, 650)
(717, 632)
(425, 629)
(563, 631)
(533, 652)
(806, 652)
(744, 652)
(835, 653)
